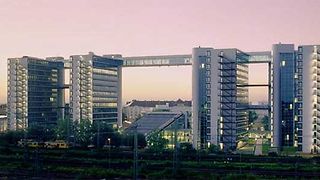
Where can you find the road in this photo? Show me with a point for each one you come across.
(258, 149)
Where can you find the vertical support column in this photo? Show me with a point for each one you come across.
(135, 154)
(195, 99)
(269, 90)
(60, 98)
(119, 102)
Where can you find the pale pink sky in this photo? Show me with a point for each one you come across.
(149, 27)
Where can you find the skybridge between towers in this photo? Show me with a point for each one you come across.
(263, 57)
(184, 60)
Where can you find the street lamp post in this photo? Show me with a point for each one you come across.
(109, 143)
(135, 154)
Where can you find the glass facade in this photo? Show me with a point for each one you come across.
(287, 73)
(43, 86)
(204, 115)
(35, 95)
(105, 89)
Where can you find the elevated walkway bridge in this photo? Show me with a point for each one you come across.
(184, 60)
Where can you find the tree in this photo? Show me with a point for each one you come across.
(252, 116)
(83, 132)
(11, 137)
(63, 128)
(186, 148)
(102, 132)
(156, 142)
(266, 123)
(41, 132)
(214, 149)
(127, 140)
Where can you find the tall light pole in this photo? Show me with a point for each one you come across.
(98, 135)
(175, 148)
(135, 153)
(109, 143)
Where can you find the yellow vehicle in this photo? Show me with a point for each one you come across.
(49, 144)
(30, 143)
(56, 144)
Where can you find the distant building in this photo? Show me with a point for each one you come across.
(95, 92)
(165, 124)
(3, 109)
(35, 91)
(135, 109)
(3, 123)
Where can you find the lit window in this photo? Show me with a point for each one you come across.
(283, 63)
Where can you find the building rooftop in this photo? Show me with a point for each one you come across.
(154, 103)
(152, 122)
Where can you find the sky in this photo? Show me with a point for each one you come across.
(153, 27)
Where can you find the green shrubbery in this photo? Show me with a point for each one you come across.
(80, 134)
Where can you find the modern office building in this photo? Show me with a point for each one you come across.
(307, 107)
(95, 92)
(282, 123)
(220, 97)
(35, 95)
(295, 113)
(219, 92)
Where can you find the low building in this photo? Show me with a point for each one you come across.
(135, 109)
(167, 124)
(3, 109)
(3, 123)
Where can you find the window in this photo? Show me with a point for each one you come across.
(299, 84)
(208, 53)
(300, 49)
(208, 130)
(283, 63)
(209, 106)
(299, 64)
(299, 70)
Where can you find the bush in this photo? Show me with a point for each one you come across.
(11, 138)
